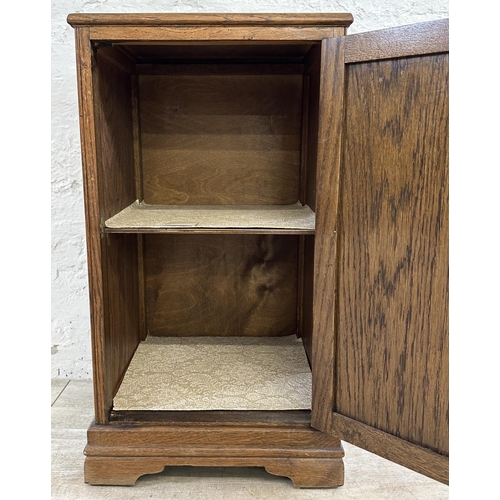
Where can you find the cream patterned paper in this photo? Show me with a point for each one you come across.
(141, 216)
(217, 373)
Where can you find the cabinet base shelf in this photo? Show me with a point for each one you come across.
(217, 373)
(120, 454)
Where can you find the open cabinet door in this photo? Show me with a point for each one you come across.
(380, 356)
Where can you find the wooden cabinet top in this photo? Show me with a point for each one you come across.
(163, 19)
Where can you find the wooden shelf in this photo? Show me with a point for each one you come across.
(143, 218)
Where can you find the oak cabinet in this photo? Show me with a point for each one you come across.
(266, 206)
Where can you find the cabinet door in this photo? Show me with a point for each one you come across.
(380, 356)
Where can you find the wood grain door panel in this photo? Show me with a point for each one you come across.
(386, 304)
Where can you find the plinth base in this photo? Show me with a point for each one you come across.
(119, 453)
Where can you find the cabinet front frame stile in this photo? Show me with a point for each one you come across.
(330, 139)
(95, 249)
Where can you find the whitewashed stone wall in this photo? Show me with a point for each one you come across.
(71, 355)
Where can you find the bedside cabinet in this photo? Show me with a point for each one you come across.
(266, 206)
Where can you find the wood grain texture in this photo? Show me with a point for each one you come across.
(402, 41)
(304, 472)
(310, 151)
(209, 139)
(309, 158)
(330, 134)
(226, 68)
(294, 440)
(139, 194)
(123, 330)
(119, 471)
(91, 188)
(310, 473)
(159, 19)
(221, 285)
(120, 453)
(109, 181)
(220, 53)
(305, 135)
(302, 196)
(112, 101)
(310, 124)
(118, 57)
(300, 288)
(141, 301)
(170, 34)
(417, 458)
(248, 230)
(392, 357)
(221, 417)
(136, 131)
(238, 284)
(307, 301)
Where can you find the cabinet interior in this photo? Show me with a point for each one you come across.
(207, 166)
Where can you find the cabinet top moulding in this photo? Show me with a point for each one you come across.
(212, 28)
(153, 19)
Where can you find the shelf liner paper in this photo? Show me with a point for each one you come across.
(217, 373)
(141, 215)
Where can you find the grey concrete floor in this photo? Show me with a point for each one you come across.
(367, 476)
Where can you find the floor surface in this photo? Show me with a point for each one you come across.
(368, 477)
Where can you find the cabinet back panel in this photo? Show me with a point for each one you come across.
(222, 285)
(393, 308)
(220, 51)
(220, 139)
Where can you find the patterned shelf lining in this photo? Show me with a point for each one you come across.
(143, 216)
(217, 373)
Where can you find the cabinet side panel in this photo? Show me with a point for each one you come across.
(116, 171)
(310, 123)
(392, 355)
(123, 319)
(221, 285)
(311, 150)
(84, 57)
(114, 134)
(220, 139)
(308, 289)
